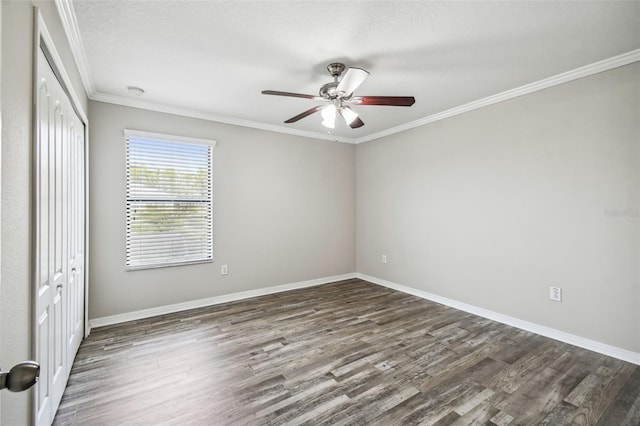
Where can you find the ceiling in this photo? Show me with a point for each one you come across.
(212, 59)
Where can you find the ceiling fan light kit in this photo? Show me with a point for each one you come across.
(329, 116)
(348, 114)
(339, 94)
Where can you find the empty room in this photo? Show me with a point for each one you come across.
(218, 212)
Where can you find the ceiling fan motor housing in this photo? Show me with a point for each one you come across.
(328, 91)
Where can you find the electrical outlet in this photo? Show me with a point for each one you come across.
(555, 294)
(224, 269)
(384, 258)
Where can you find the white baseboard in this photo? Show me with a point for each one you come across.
(177, 307)
(592, 345)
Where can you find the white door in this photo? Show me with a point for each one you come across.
(59, 238)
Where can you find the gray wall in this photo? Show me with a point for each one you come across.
(15, 289)
(283, 212)
(494, 206)
(488, 208)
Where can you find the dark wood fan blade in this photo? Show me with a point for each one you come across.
(305, 114)
(356, 123)
(384, 100)
(292, 95)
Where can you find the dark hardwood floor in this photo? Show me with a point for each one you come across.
(348, 353)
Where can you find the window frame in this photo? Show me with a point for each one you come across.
(161, 137)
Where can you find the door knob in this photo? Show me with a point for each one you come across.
(59, 287)
(21, 377)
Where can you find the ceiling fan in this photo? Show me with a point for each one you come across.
(339, 94)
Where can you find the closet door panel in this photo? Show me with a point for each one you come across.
(43, 271)
(75, 288)
(58, 233)
(59, 237)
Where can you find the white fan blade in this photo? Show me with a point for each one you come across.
(351, 80)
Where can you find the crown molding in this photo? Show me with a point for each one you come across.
(588, 70)
(591, 69)
(186, 112)
(70, 24)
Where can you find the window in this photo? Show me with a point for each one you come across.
(169, 200)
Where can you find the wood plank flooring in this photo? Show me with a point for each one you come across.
(347, 353)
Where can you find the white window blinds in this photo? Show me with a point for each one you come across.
(169, 200)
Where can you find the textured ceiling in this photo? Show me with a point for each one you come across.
(215, 57)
